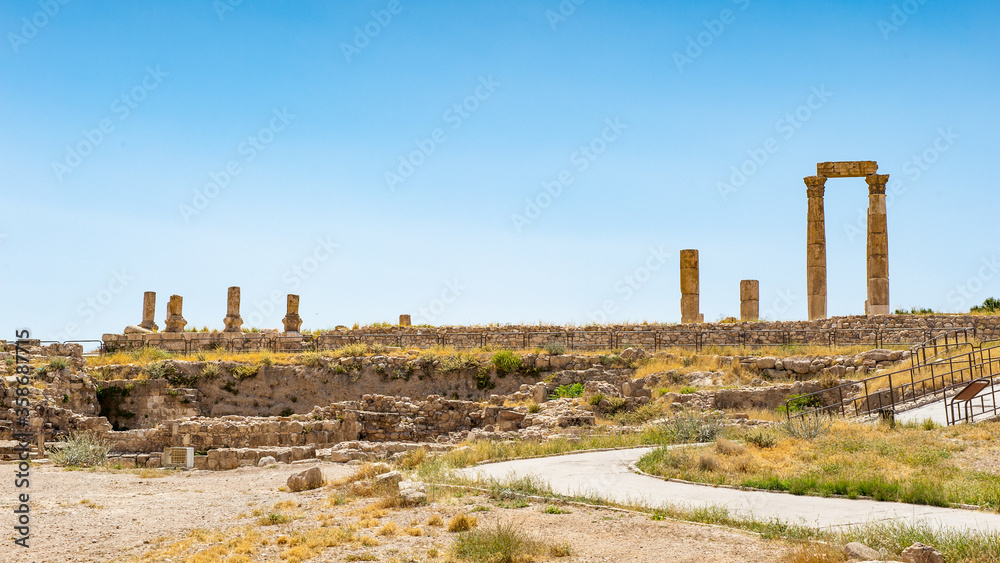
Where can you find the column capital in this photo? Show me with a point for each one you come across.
(876, 183)
(815, 185)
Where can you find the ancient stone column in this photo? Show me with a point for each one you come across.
(292, 320)
(175, 321)
(148, 311)
(689, 287)
(404, 320)
(233, 320)
(749, 300)
(816, 248)
(878, 246)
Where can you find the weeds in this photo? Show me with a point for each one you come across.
(567, 391)
(502, 542)
(808, 427)
(459, 361)
(641, 415)
(506, 361)
(462, 522)
(688, 427)
(84, 449)
(554, 349)
(761, 437)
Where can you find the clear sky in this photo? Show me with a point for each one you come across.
(477, 162)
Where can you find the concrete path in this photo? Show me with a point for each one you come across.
(606, 474)
(979, 408)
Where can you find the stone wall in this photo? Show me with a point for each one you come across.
(144, 403)
(849, 330)
(214, 389)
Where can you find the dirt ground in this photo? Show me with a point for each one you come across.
(100, 516)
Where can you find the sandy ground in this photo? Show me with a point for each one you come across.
(97, 516)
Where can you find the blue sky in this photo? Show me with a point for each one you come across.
(381, 158)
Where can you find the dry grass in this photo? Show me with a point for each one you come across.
(815, 552)
(462, 522)
(144, 356)
(909, 464)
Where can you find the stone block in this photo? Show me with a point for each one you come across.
(847, 169)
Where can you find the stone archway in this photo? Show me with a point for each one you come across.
(878, 237)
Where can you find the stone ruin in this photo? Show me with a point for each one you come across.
(878, 238)
(877, 258)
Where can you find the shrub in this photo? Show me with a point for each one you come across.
(57, 364)
(919, 311)
(459, 361)
(210, 371)
(506, 361)
(708, 462)
(688, 389)
(555, 349)
(991, 305)
(503, 542)
(287, 412)
(273, 519)
(242, 372)
(462, 522)
(567, 391)
(796, 403)
(83, 449)
(483, 379)
(641, 415)
(807, 427)
(761, 437)
(613, 361)
(595, 399)
(616, 404)
(534, 408)
(159, 370)
(688, 427)
(435, 521)
(311, 359)
(729, 447)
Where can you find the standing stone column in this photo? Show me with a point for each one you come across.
(689, 287)
(878, 246)
(749, 300)
(175, 321)
(404, 320)
(816, 248)
(292, 320)
(233, 320)
(149, 311)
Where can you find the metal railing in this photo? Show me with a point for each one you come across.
(938, 366)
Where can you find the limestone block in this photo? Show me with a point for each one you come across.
(847, 169)
(306, 480)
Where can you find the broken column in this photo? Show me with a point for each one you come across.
(233, 320)
(404, 320)
(149, 311)
(878, 246)
(749, 300)
(175, 322)
(292, 320)
(816, 248)
(689, 287)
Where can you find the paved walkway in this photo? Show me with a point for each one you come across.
(607, 474)
(981, 407)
